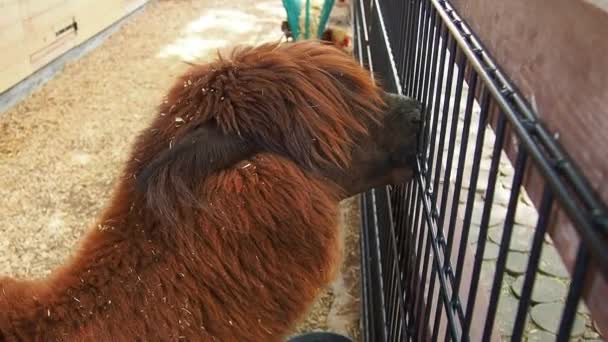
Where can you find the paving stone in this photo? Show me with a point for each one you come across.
(505, 162)
(462, 198)
(473, 234)
(501, 195)
(538, 335)
(470, 152)
(487, 152)
(582, 308)
(489, 139)
(497, 215)
(468, 165)
(596, 328)
(521, 238)
(482, 180)
(464, 193)
(517, 262)
(506, 169)
(546, 289)
(481, 186)
(461, 117)
(485, 164)
(507, 310)
(506, 181)
(526, 215)
(551, 263)
(523, 196)
(591, 335)
(476, 231)
(488, 270)
(548, 315)
(490, 251)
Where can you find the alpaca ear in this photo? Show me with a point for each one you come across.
(171, 179)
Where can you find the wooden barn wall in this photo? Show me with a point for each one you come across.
(34, 32)
(555, 53)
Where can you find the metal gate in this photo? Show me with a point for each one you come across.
(424, 244)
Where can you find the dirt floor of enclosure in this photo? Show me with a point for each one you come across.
(63, 146)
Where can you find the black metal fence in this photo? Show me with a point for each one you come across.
(422, 276)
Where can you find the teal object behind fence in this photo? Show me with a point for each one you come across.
(327, 7)
(294, 8)
(307, 22)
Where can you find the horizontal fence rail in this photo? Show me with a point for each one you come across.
(461, 252)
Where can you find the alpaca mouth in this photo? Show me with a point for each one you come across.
(405, 157)
(402, 163)
(400, 175)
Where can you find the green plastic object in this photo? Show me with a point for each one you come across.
(328, 5)
(294, 8)
(307, 22)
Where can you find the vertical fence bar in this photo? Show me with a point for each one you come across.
(412, 44)
(402, 48)
(398, 300)
(504, 243)
(417, 235)
(430, 47)
(421, 25)
(451, 148)
(403, 23)
(468, 113)
(438, 86)
(410, 253)
(444, 116)
(579, 276)
(450, 154)
(428, 133)
(370, 324)
(431, 291)
(419, 279)
(535, 253)
(407, 250)
(485, 219)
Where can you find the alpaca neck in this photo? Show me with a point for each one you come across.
(243, 266)
(85, 286)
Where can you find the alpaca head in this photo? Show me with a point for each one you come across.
(305, 101)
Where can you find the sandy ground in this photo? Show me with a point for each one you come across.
(62, 147)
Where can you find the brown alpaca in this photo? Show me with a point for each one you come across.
(224, 224)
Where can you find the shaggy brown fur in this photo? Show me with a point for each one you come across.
(223, 226)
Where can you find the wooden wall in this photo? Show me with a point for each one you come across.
(555, 53)
(34, 32)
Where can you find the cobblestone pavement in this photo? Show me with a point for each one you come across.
(552, 282)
